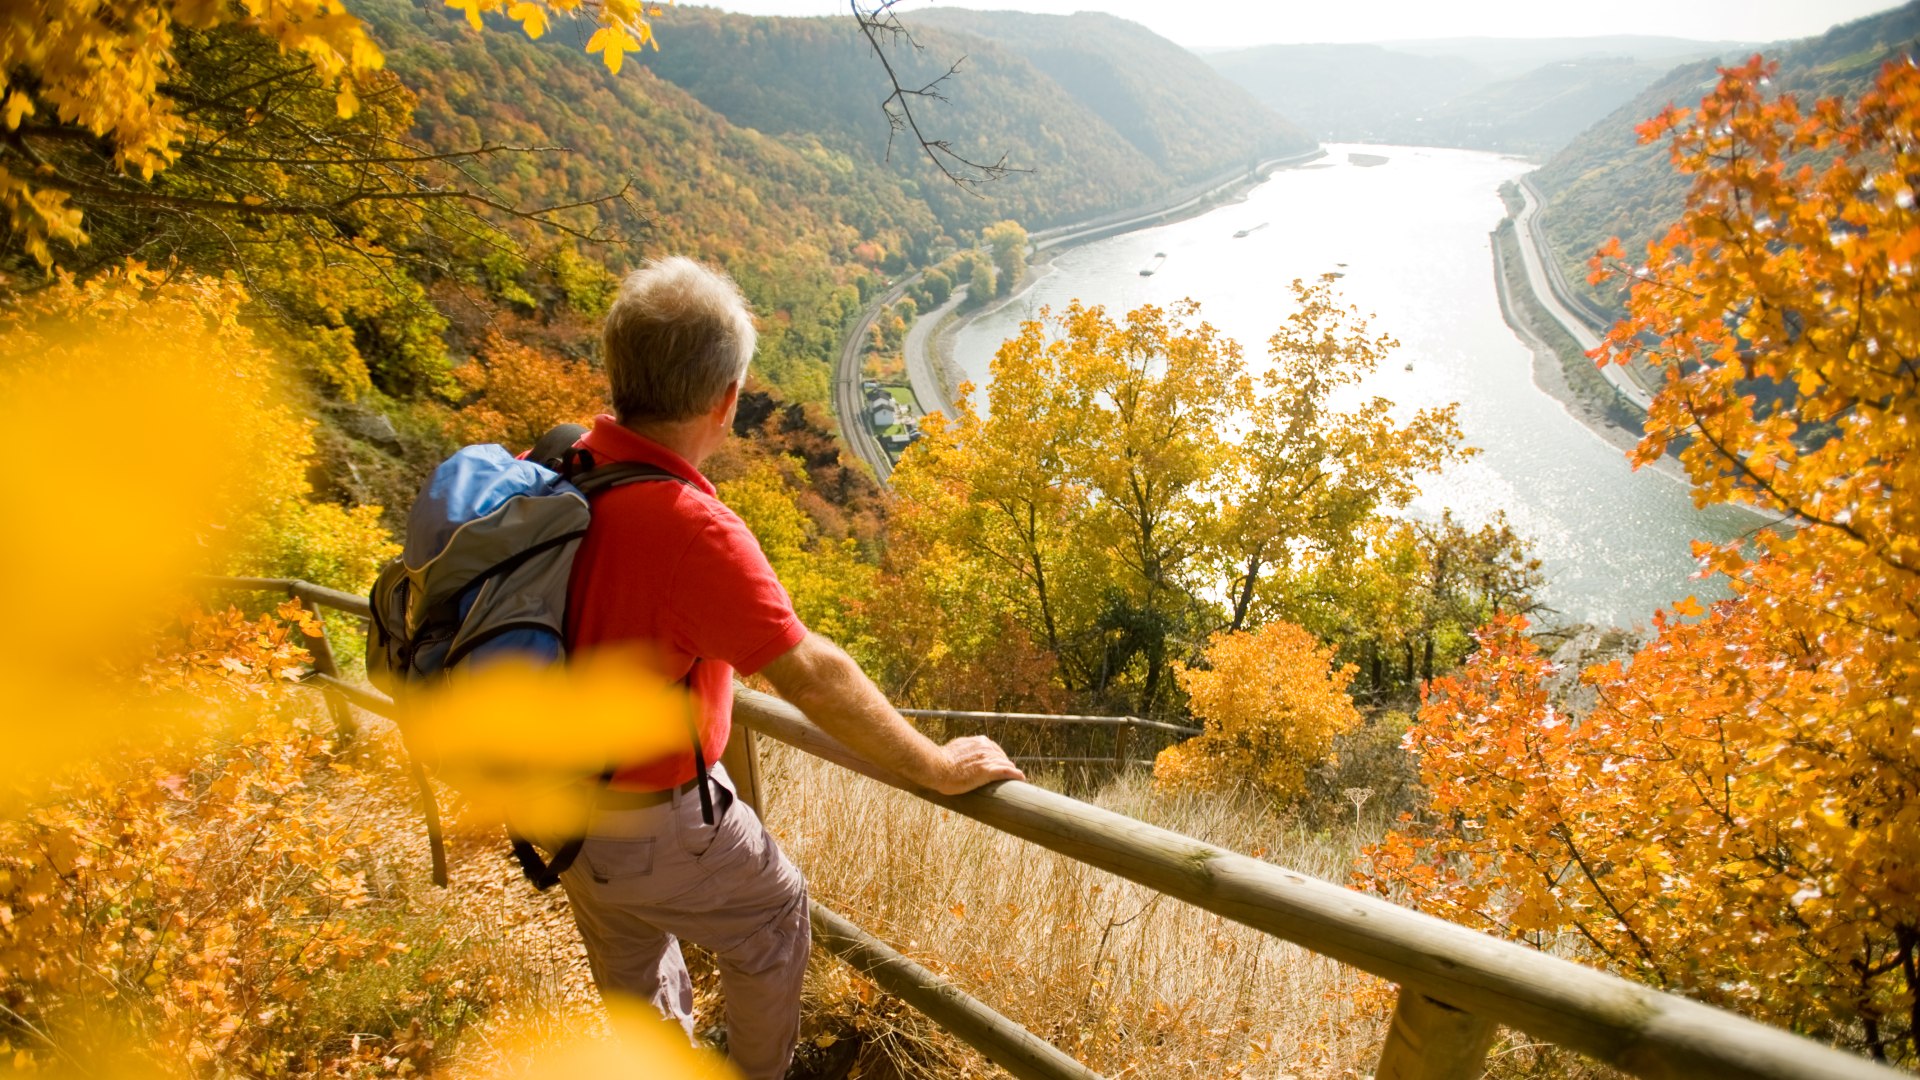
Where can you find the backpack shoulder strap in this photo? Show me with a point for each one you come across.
(599, 478)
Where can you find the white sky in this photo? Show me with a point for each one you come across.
(1261, 22)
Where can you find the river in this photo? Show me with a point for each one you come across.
(1411, 238)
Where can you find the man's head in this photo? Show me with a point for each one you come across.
(676, 342)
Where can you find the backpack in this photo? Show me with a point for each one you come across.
(482, 576)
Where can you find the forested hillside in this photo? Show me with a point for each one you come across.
(784, 217)
(1607, 183)
(1165, 100)
(1522, 96)
(1091, 129)
(1541, 109)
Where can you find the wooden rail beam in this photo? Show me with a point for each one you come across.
(1637, 1029)
(1054, 718)
(351, 603)
(1004, 1042)
(321, 649)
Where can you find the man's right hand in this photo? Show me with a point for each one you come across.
(972, 761)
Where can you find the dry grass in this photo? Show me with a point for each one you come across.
(1132, 983)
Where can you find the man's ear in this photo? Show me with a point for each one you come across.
(723, 412)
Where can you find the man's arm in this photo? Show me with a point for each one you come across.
(821, 680)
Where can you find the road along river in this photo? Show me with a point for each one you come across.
(1410, 239)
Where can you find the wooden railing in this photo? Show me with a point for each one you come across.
(1456, 985)
(1126, 734)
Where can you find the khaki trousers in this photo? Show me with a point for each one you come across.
(647, 879)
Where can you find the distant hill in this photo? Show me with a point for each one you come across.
(1505, 58)
(1523, 96)
(1094, 131)
(785, 217)
(1605, 183)
(1350, 93)
(1540, 109)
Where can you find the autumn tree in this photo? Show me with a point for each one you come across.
(1305, 477)
(1130, 477)
(268, 143)
(519, 393)
(1272, 701)
(1001, 493)
(105, 96)
(1736, 817)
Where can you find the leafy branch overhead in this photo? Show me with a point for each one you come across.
(188, 123)
(880, 23)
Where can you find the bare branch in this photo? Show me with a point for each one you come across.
(878, 20)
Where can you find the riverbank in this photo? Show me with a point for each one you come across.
(1560, 366)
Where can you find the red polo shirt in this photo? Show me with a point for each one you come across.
(667, 565)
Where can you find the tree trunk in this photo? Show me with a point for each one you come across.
(1243, 603)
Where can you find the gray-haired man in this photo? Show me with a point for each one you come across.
(665, 565)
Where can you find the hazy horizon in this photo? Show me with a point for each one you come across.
(1217, 24)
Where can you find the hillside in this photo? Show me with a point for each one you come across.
(783, 217)
(1541, 109)
(1506, 58)
(1167, 102)
(1521, 96)
(815, 79)
(1353, 93)
(1606, 184)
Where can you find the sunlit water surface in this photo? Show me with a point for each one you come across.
(1411, 238)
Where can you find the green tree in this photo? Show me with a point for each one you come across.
(1306, 479)
(980, 284)
(1008, 243)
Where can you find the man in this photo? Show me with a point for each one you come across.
(665, 564)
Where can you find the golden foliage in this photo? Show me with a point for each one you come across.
(826, 578)
(478, 733)
(183, 855)
(1132, 473)
(522, 392)
(194, 466)
(167, 366)
(100, 64)
(190, 890)
(1272, 703)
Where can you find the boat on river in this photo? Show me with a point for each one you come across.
(1244, 233)
(1159, 258)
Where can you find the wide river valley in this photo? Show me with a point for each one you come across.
(1411, 239)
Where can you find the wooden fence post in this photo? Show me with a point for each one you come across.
(321, 649)
(1122, 744)
(741, 759)
(1431, 1040)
